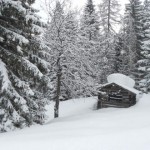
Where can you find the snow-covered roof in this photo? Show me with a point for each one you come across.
(121, 79)
(133, 90)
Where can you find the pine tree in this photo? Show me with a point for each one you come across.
(129, 42)
(23, 70)
(109, 15)
(89, 22)
(119, 55)
(144, 62)
(137, 15)
(133, 34)
(109, 18)
(88, 43)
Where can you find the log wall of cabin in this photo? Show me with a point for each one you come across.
(127, 96)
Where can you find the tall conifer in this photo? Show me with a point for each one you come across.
(144, 62)
(22, 67)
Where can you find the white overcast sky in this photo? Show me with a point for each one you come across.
(76, 3)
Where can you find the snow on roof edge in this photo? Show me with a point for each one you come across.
(133, 90)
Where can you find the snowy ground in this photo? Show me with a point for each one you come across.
(80, 127)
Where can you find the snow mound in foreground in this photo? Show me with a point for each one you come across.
(82, 128)
(121, 80)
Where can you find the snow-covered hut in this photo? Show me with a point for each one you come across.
(118, 92)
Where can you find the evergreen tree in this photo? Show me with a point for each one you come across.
(144, 62)
(137, 15)
(129, 42)
(89, 22)
(88, 43)
(109, 15)
(119, 55)
(109, 19)
(133, 35)
(22, 67)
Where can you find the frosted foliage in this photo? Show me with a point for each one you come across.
(23, 71)
(142, 68)
(1, 39)
(14, 36)
(24, 85)
(121, 79)
(144, 62)
(44, 63)
(16, 4)
(109, 15)
(7, 127)
(4, 75)
(32, 68)
(37, 29)
(31, 17)
(6, 122)
(19, 49)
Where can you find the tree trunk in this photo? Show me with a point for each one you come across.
(56, 108)
(108, 16)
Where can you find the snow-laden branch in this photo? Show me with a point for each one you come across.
(4, 77)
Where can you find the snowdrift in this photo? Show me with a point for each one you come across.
(81, 127)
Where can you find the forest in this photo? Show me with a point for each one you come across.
(69, 56)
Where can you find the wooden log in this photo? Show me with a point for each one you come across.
(115, 104)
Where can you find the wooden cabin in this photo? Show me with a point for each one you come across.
(116, 95)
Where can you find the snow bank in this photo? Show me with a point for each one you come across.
(121, 80)
(80, 127)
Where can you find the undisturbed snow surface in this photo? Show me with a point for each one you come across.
(80, 127)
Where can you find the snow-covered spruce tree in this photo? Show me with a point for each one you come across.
(128, 38)
(132, 29)
(22, 80)
(73, 61)
(109, 19)
(89, 22)
(119, 55)
(144, 62)
(89, 46)
(137, 17)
